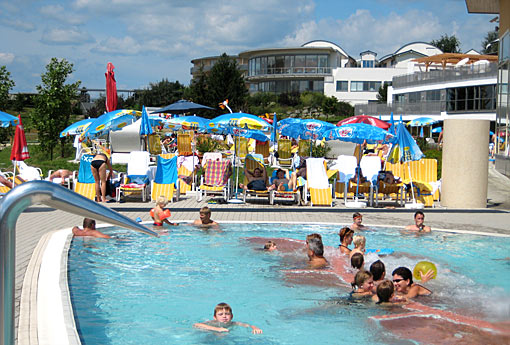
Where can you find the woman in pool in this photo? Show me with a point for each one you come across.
(345, 240)
(404, 286)
(363, 284)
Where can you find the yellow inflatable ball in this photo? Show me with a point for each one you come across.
(424, 267)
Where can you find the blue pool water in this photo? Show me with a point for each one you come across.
(137, 289)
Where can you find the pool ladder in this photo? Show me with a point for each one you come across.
(12, 205)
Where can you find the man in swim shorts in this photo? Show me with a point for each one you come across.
(89, 229)
(418, 225)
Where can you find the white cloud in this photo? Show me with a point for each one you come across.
(120, 46)
(66, 36)
(62, 15)
(19, 24)
(6, 58)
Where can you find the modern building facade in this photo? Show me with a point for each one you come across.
(322, 66)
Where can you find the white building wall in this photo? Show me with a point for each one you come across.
(359, 74)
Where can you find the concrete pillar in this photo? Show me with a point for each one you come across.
(465, 163)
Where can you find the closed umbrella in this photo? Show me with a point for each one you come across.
(145, 125)
(405, 150)
(19, 150)
(7, 120)
(369, 120)
(111, 88)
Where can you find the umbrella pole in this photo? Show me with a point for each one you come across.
(358, 172)
(411, 179)
(14, 175)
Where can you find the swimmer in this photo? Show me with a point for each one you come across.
(359, 245)
(378, 271)
(159, 216)
(270, 246)
(315, 251)
(223, 321)
(357, 218)
(363, 284)
(62, 174)
(345, 240)
(404, 286)
(205, 218)
(418, 225)
(89, 229)
(385, 293)
(357, 261)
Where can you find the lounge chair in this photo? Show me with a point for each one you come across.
(165, 181)
(370, 167)
(137, 179)
(252, 162)
(186, 170)
(154, 144)
(304, 148)
(68, 181)
(346, 168)
(27, 172)
(84, 183)
(284, 153)
(262, 148)
(216, 180)
(276, 195)
(317, 182)
(184, 144)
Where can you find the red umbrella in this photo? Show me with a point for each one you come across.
(111, 88)
(369, 120)
(19, 151)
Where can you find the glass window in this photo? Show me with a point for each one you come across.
(311, 63)
(263, 65)
(289, 64)
(342, 85)
(299, 63)
(280, 64)
(356, 86)
(323, 64)
(257, 66)
(271, 64)
(294, 86)
(318, 86)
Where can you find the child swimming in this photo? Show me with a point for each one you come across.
(159, 216)
(270, 246)
(385, 293)
(359, 245)
(223, 321)
(363, 284)
(357, 261)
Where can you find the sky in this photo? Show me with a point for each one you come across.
(151, 40)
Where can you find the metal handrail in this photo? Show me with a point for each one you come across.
(12, 205)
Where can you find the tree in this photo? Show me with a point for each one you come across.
(162, 93)
(382, 95)
(490, 45)
(330, 106)
(448, 44)
(6, 84)
(53, 104)
(225, 81)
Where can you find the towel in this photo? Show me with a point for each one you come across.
(189, 162)
(166, 172)
(316, 173)
(217, 173)
(85, 174)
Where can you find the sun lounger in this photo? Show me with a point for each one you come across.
(165, 181)
(252, 162)
(137, 179)
(346, 167)
(284, 153)
(370, 167)
(216, 180)
(317, 182)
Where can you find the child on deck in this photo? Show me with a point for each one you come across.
(159, 216)
(359, 245)
(223, 320)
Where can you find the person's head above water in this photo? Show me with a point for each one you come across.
(359, 241)
(346, 234)
(357, 260)
(162, 201)
(205, 212)
(270, 246)
(315, 245)
(223, 312)
(363, 280)
(402, 278)
(378, 270)
(419, 217)
(89, 223)
(385, 291)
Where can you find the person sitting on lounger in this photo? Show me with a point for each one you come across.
(256, 180)
(282, 183)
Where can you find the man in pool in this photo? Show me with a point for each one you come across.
(418, 225)
(357, 218)
(89, 229)
(205, 218)
(223, 321)
(315, 251)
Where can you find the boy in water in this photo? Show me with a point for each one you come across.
(223, 320)
(418, 225)
(270, 246)
(159, 216)
(89, 229)
(205, 218)
(357, 218)
(359, 245)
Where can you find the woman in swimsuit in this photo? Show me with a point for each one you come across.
(345, 240)
(98, 166)
(404, 286)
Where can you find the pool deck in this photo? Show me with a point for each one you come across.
(39, 220)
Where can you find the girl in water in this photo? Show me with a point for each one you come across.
(345, 240)
(363, 284)
(404, 286)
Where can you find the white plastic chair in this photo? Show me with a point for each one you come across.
(370, 167)
(346, 166)
(28, 173)
(138, 173)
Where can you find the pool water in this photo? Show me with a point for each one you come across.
(136, 289)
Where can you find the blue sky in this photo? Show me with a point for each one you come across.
(148, 40)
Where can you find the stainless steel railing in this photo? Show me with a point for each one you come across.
(12, 205)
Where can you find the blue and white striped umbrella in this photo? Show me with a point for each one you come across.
(422, 121)
(76, 128)
(358, 133)
(306, 129)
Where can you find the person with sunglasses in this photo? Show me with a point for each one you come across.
(404, 286)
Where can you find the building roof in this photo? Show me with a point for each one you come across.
(419, 48)
(483, 6)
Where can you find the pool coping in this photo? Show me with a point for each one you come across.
(48, 268)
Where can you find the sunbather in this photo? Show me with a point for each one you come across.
(62, 174)
(282, 182)
(256, 179)
(5, 181)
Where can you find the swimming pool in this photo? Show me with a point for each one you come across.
(141, 290)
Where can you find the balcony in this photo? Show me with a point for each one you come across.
(440, 76)
(291, 72)
(422, 108)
